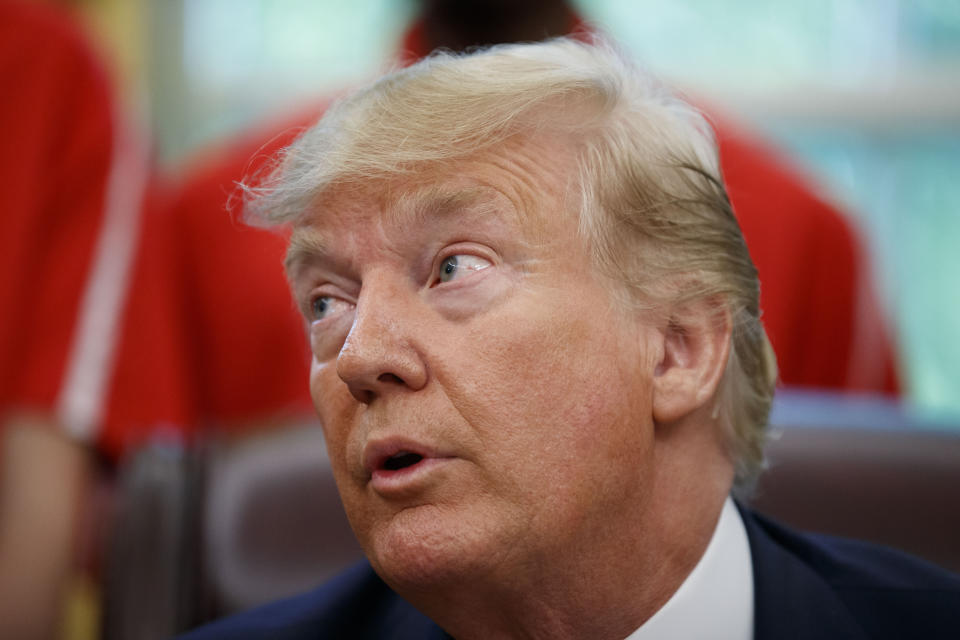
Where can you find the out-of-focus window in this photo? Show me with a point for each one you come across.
(864, 93)
(221, 65)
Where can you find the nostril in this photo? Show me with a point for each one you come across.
(362, 395)
(390, 378)
(365, 391)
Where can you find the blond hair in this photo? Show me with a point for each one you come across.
(651, 200)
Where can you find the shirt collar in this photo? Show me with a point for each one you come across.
(716, 599)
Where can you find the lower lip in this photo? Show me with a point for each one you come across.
(402, 482)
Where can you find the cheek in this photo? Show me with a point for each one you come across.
(549, 393)
(566, 437)
(334, 406)
(337, 409)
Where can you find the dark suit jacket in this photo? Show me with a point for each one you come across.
(806, 586)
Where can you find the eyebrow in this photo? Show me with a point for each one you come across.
(411, 208)
(438, 201)
(307, 244)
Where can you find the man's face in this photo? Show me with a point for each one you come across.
(485, 403)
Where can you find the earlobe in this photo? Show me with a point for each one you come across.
(696, 345)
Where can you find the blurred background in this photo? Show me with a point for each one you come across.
(863, 94)
(210, 486)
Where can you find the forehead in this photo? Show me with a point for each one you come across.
(526, 183)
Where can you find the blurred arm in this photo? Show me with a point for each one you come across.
(43, 482)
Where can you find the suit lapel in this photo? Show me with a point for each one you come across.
(791, 600)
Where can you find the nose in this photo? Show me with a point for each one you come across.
(378, 356)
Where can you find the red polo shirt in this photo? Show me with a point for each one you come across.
(72, 185)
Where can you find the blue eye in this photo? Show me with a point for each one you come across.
(320, 306)
(448, 269)
(323, 307)
(459, 265)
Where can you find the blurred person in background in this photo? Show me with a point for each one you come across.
(74, 181)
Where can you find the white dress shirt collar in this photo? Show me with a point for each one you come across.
(716, 599)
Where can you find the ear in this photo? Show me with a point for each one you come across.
(696, 345)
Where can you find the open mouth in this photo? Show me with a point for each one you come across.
(395, 463)
(401, 460)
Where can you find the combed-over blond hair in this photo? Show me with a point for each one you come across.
(650, 198)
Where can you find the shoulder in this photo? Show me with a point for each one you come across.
(356, 604)
(881, 591)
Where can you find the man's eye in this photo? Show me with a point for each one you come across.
(461, 264)
(324, 306)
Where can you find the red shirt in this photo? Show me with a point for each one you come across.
(71, 191)
(817, 298)
(212, 337)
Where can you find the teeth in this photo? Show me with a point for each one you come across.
(401, 460)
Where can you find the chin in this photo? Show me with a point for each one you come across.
(427, 548)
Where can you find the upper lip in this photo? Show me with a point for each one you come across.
(377, 452)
